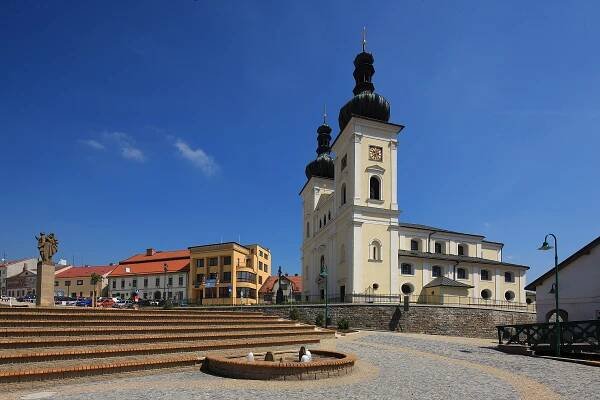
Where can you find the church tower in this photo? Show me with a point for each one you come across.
(359, 245)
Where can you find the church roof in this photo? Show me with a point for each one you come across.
(444, 281)
(456, 258)
(433, 228)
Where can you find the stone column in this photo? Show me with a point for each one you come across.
(45, 285)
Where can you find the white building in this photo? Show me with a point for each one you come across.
(9, 269)
(351, 220)
(578, 287)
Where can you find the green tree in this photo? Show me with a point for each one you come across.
(95, 279)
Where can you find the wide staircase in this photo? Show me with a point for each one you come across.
(50, 343)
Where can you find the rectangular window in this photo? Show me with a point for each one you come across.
(509, 277)
(260, 279)
(55, 283)
(145, 282)
(200, 263)
(157, 282)
(260, 253)
(436, 271)
(134, 282)
(224, 292)
(213, 261)
(79, 282)
(181, 281)
(260, 265)
(210, 293)
(485, 275)
(114, 284)
(122, 283)
(199, 279)
(246, 293)
(243, 276)
(227, 260)
(406, 269)
(226, 277)
(266, 256)
(438, 248)
(461, 273)
(170, 281)
(461, 250)
(213, 276)
(414, 245)
(145, 295)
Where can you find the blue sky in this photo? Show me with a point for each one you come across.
(125, 125)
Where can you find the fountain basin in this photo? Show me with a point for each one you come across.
(325, 364)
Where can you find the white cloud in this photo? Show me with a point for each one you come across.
(94, 144)
(126, 146)
(197, 157)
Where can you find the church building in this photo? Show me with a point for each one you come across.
(351, 226)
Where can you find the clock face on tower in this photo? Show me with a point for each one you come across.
(375, 153)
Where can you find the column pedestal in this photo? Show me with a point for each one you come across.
(45, 285)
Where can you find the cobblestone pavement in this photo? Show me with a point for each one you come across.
(391, 366)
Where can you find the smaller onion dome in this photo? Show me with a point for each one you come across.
(322, 166)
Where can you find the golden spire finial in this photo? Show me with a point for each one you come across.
(364, 38)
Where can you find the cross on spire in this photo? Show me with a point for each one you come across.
(325, 114)
(364, 38)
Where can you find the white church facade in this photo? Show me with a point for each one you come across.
(351, 223)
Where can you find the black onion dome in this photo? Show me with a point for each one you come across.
(365, 103)
(322, 166)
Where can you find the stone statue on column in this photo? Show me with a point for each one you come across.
(279, 295)
(47, 246)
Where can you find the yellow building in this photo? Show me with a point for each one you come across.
(76, 281)
(227, 273)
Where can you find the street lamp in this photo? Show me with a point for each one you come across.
(165, 268)
(546, 246)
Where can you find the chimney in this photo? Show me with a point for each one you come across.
(150, 252)
(295, 274)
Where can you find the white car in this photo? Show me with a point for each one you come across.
(123, 304)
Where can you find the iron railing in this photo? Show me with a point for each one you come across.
(572, 334)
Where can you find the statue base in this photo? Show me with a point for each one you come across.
(45, 285)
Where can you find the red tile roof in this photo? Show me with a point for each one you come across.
(76, 272)
(296, 282)
(157, 256)
(151, 267)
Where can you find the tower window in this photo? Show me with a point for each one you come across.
(414, 245)
(438, 248)
(307, 229)
(406, 269)
(509, 277)
(485, 275)
(436, 271)
(374, 188)
(343, 193)
(375, 251)
(344, 161)
(461, 250)
(461, 273)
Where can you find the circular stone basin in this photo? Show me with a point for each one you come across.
(324, 364)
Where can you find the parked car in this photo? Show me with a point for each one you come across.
(5, 298)
(107, 302)
(123, 304)
(84, 302)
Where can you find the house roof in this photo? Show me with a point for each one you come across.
(433, 228)
(76, 272)
(269, 283)
(585, 250)
(444, 281)
(151, 267)
(456, 258)
(157, 256)
(10, 262)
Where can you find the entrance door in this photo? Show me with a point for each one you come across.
(342, 294)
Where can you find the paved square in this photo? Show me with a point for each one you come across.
(392, 366)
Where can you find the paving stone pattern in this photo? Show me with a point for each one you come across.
(392, 366)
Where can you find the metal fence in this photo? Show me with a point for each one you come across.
(452, 300)
(572, 334)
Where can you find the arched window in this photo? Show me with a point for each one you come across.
(375, 251)
(406, 269)
(414, 245)
(461, 250)
(374, 188)
(307, 229)
(461, 273)
(436, 271)
(343, 193)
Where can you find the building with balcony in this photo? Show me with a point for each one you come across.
(227, 273)
(152, 275)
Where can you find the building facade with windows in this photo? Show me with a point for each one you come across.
(11, 268)
(153, 275)
(75, 281)
(227, 273)
(351, 221)
(291, 286)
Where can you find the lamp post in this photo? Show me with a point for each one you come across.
(546, 246)
(324, 274)
(165, 268)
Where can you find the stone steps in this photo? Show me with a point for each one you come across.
(70, 341)
(180, 328)
(83, 316)
(70, 353)
(133, 322)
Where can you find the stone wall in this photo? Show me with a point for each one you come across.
(430, 319)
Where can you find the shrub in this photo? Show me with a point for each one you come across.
(294, 315)
(343, 324)
(320, 320)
